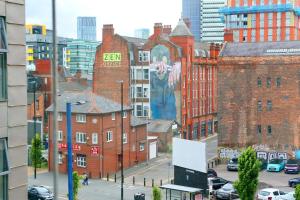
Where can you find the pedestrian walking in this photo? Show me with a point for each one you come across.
(85, 179)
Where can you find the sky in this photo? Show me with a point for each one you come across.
(125, 15)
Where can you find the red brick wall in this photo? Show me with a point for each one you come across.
(239, 94)
(164, 139)
(101, 124)
(39, 111)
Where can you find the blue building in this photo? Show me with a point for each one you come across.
(86, 28)
(191, 9)
(142, 33)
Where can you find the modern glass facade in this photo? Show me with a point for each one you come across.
(212, 26)
(86, 28)
(81, 55)
(191, 9)
(142, 33)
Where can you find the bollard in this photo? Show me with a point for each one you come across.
(212, 164)
(160, 182)
(133, 180)
(172, 181)
(144, 182)
(207, 165)
(152, 182)
(107, 177)
(115, 178)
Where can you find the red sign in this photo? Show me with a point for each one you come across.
(76, 147)
(94, 151)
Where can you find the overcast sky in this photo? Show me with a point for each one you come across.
(125, 15)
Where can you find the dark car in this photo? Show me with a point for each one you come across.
(292, 167)
(211, 173)
(264, 163)
(227, 192)
(216, 183)
(232, 164)
(39, 193)
(294, 181)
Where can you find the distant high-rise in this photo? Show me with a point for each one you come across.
(191, 9)
(212, 26)
(86, 28)
(142, 33)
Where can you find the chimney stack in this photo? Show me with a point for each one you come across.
(107, 32)
(158, 28)
(167, 29)
(228, 36)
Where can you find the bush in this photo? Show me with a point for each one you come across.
(156, 193)
(297, 192)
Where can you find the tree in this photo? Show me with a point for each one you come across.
(36, 152)
(248, 171)
(297, 192)
(76, 185)
(156, 193)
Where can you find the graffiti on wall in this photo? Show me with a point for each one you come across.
(165, 76)
(228, 153)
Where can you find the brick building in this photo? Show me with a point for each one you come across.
(261, 20)
(39, 106)
(96, 128)
(259, 94)
(167, 77)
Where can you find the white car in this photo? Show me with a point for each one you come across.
(272, 194)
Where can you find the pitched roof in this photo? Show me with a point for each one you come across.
(135, 121)
(30, 97)
(287, 48)
(159, 126)
(139, 42)
(181, 29)
(71, 86)
(87, 103)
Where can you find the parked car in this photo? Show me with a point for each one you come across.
(292, 167)
(294, 181)
(216, 183)
(264, 164)
(227, 191)
(232, 164)
(39, 193)
(211, 173)
(271, 194)
(275, 165)
(290, 196)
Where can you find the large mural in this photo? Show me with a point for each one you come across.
(165, 85)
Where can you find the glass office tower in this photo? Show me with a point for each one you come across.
(86, 28)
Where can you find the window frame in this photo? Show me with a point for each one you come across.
(59, 116)
(259, 106)
(124, 114)
(269, 82)
(278, 82)
(3, 84)
(142, 145)
(78, 138)
(109, 139)
(269, 105)
(259, 82)
(113, 116)
(81, 120)
(269, 130)
(60, 136)
(125, 138)
(94, 138)
(7, 158)
(78, 160)
(60, 158)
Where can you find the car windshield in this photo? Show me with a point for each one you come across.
(264, 193)
(42, 190)
(233, 161)
(275, 161)
(292, 162)
(228, 187)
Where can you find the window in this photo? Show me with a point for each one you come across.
(113, 116)
(81, 160)
(144, 56)
(60, 159)
(4, 170)
(59, 116)
(258, 82)
(142, 146)
(278, 82)
(124, 114)
(259, 106)
(269, 130)
(80, 137)
(124, 138)
(258, 129)
(94, 138)
(203, 129)
(146, 111)
(59, 135)
(269, 105)
(146, 74)
(3, 67)
(146, 93)
(81, 118)
(139, 92)
(139, 111)
(139, 74)
(109, 136)
(268, 82)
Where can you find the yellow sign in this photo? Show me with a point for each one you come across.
(112, 57)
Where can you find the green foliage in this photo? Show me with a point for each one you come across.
(76, 185)
(169, 148)
(156, 193)
(297, 192)
(248, 171)
(36, 151)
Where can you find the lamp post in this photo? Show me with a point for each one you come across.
(34, 125)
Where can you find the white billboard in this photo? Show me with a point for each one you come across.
(189, 154)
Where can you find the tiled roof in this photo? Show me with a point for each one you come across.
(71, 86)
(87, 103)
(287, 48)
(181, 29)
(159, 126)
(139, 42)
(135, 121)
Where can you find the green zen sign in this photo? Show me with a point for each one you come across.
(112, 57)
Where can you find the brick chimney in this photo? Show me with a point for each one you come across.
(167, 29)
(107, 32)
(187, 21)
(158, 27)
(228, 36)
(212, 50)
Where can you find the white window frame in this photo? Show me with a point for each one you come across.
(81, 118)
(80, 137)
(94, 138)
(124, 114)
(109, 136)
(81, 161)
(60, 158)
(142, 146)
(144, 56)
(113, 116)
(125, 139)
(60, 135)
(59, 115)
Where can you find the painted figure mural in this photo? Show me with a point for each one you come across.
(165, 101)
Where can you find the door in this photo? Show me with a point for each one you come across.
(153, 150)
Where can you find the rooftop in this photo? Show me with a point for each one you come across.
(181, 29)
(159, 126)
(135, 121)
